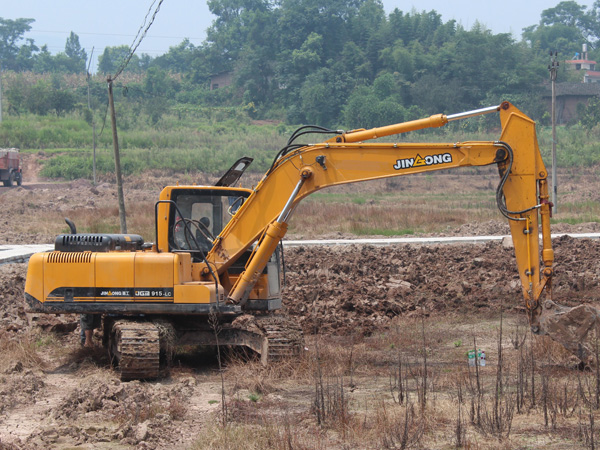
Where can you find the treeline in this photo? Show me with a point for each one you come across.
(307, 61)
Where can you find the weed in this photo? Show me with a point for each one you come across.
(177, 407)
(254, 397)
(213, 321)
(398, 428)
(45, 341)
(22, 351)
(330, 404)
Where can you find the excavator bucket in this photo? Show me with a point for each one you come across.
(576, 328)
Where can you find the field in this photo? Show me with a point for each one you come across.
(387, 331)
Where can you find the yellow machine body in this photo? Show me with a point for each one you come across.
(215, 245)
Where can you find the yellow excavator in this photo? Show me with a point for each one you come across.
(212, 276)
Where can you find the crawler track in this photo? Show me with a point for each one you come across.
(136, 348)
(284, 336)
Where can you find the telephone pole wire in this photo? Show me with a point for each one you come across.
(113, 117)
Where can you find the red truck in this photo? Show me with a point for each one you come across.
(10, 167)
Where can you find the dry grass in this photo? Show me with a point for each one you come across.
(141, 406)
(252, 376)
(19, 353)
(390, 216)
(273, 436)
(140, 219)
(344, 393)
(429, 203)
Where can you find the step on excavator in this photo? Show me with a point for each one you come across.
(212, 275)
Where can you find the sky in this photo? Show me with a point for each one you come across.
(98, 25)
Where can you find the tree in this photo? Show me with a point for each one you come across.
(178, 59)
(26, 55)
(113, 57)
(157, 90)
(565, 27)
(322, 96)
(434, 95)
(561, 38)
(43, 62)
(11, 32)
(76, 55)
(299, 18)
(230, 31)
(307, 58)
(374, 106)
(567, 13)
(589, 115)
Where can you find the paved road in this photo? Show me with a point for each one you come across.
(21, 253)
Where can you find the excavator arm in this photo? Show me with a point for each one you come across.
(352, 157)
(522, 197)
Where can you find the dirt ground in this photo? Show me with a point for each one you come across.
(54, 394)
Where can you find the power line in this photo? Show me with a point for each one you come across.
(141, 34)
(136, 42)
(112, 34)
(87, 49)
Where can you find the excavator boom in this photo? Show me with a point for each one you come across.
(347, 158)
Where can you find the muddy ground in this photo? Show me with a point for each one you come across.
(54, 394)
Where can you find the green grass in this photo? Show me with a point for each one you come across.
(369, 231)
(575, 220)
(210, 140)
(575, 213)
(172, 145)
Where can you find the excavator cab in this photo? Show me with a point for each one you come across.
(197, 215)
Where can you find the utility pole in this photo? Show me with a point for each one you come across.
(93, 120)
(113, 119)
(113, 116)
(553, 68)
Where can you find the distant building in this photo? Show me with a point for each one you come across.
(591, 76)
(588, 67)
(220, 80)
(568, 96)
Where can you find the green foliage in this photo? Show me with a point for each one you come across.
(191, 140)
(361, 230)
(326, 63)
(211, 139)
(11, 32)
(74, 52)
(316, 96)
(113, 58)
(564, 28)
(254, 397)
(575, 146)
(589, 115)
(377, 105)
